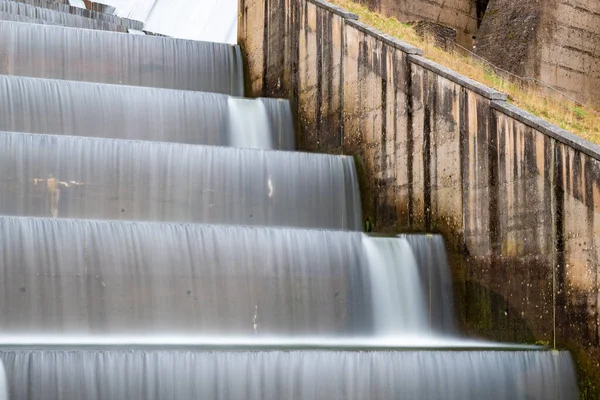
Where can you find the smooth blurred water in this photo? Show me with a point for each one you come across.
(78, 177)
(3, 383)
(106, 57)
(121, 278)
(55, 17)
(255, 308)
(399, 304)
(255, 136)
(302, 375)
(63, 8)
(128, 112)
(434, 273)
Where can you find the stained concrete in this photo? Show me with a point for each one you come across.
(516, 198)
(556, 42)
(462, 15)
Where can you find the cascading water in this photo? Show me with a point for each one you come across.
(398, 301)
(119, 278)
(82, 12)
(119, 179)
(59, 53)
(55, 17)
(430, 253)
(255, 136)
(103, 307)
(128, 112)
(3, 384)
(294, 375)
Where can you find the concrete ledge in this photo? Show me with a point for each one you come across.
(334, 9)
(390, 40)
(548, 129)
(447, 73)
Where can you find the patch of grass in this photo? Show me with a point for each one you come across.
(553, 108)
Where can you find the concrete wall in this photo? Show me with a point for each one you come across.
(462, 15)
(557, 42)
(517, 199)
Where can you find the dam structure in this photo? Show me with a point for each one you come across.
(161, 238)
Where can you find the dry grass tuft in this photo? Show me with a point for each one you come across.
(553, 108)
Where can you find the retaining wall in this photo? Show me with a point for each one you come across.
(517, 199)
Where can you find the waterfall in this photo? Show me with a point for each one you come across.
(159, 239)
(120, 278)
(243, 134)
(56, 18)
(398, 292)
(434, 272)
(134, 180)
(3, 383)
(60, 53)
(128, 112)
(294, 375)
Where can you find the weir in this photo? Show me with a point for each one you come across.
(155, 244)
(128, 112)
(55, 17)
(59, 53)
(153, 181)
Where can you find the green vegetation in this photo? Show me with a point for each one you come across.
(555, 109)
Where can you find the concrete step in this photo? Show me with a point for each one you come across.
(5, 16)
(80, 177)
(125, 22)
(68, 277)
(132, 112)
(254, 373)
(29, 13)
(106, 57)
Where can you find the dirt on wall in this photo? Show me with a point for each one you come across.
(555, 42)
(508, 36)
(462, 15)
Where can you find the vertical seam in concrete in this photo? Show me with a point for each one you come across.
(384, 111)
(559, 244)
(494, 190)
(592, 260)
(320, 72)
(464, 159)
(331, 128)
(265, 48)
(426, 149)
(409, 139)
(295, 65)
(342, 83)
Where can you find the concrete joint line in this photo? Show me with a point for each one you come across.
(479, 88)
(334, 9)
(548, 129)
(387, 39)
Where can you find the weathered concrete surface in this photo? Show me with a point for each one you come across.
(462, 15)
(555, 41)
(517, 199)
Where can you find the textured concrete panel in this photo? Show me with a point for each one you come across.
(514, 196)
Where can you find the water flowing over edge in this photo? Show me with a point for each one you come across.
(56, 52)
(178, 374)
(122, 179)
(54, 106)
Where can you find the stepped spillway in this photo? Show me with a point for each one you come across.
(156, 243)
(178, 374)
(79, 177)
(128, 112)
(106, 57)
(50, 16)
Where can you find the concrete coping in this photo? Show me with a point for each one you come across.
(548, 129)
(454, 76)
(335, 9)
(384, 37)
